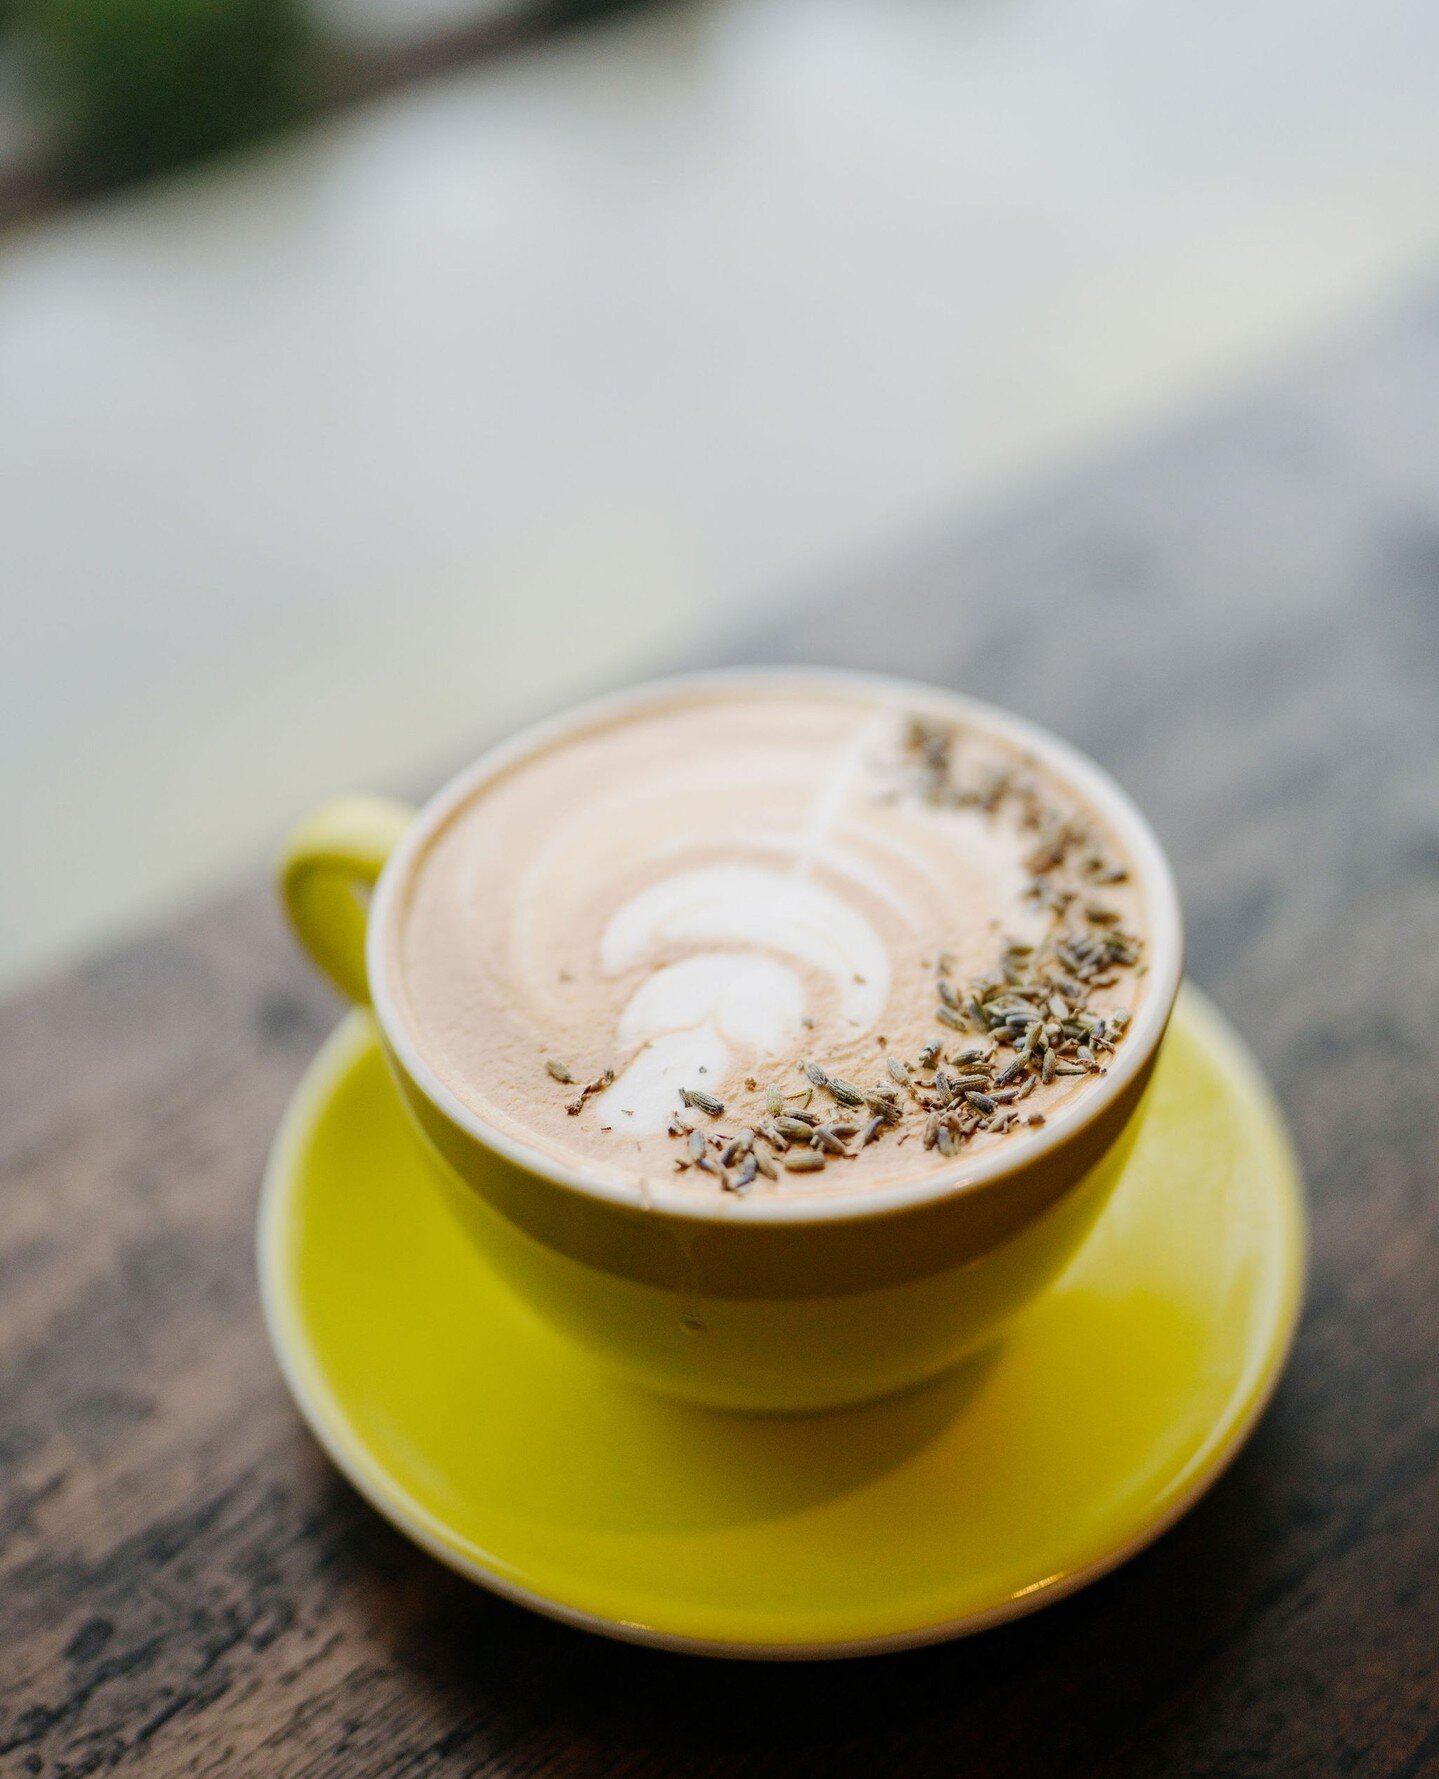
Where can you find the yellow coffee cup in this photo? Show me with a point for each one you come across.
(767, 1302)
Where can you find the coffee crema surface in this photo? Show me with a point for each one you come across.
(770, 940)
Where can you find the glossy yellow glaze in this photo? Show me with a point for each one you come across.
(773, 1317)
(327, 868)
(712, 1299)
(1036, 1465)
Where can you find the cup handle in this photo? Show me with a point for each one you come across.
(329, 865)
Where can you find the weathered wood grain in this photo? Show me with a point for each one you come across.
(1243, 621)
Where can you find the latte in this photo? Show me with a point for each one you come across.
(765, 940)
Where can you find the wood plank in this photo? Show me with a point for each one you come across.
(1242, 620)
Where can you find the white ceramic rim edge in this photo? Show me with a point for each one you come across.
(1165, 959)
(1209, 1464)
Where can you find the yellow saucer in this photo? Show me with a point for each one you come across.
(508, 1454)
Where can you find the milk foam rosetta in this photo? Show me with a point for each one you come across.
(783, 904)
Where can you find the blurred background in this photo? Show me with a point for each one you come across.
(377, 373)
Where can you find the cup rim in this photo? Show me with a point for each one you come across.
(1164, 956)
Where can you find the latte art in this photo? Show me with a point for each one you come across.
(769, 940)
(691, 1017)
(767, 930)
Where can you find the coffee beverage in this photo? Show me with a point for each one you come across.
(798, 938)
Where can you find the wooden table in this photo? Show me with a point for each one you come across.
(1243, 622)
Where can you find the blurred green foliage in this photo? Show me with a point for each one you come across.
(133, 86)
(127, 88)
(580, 11)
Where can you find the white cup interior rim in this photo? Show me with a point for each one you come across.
(1164, 955)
